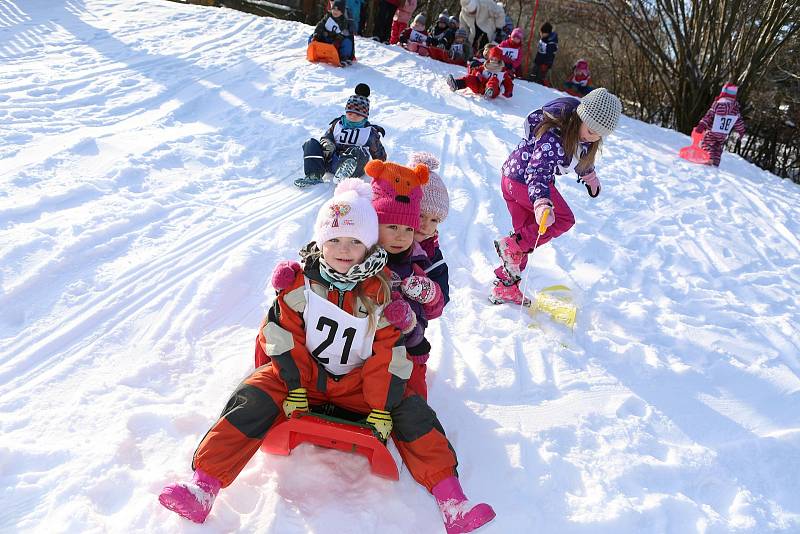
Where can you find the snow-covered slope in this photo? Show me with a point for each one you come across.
(147, 152)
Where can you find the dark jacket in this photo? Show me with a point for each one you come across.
(546, 52)
(331, 29)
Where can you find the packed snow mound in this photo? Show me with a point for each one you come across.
(147, 153)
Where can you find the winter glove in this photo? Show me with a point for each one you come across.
(296, 399)
(328, 147)
(538, 210)
(399, 313)
(592, 183)
(421, 289)
(284, 274)
(381, 421)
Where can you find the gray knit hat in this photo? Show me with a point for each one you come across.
(435, 200)
(600, 110)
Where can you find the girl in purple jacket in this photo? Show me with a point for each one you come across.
(564, 135)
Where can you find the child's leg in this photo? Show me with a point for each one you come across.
(714, 144)
(422, 443)
(236, 436)
(346, 49)
(475, 83)
(523, 220)
(397, 29)
(313, 158)
(494, 85)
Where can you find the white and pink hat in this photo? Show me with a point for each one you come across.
(348, 214)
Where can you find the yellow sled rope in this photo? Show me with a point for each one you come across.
(555, 301)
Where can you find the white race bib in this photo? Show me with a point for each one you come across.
(336, 339)
(724, 123)
(511, 53)
(351, 136)
(542, 47)
(331, 26)
(417, 37)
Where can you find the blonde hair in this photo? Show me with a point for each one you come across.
(382, 298)
(569, 125)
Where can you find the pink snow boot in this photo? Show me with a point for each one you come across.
(512, 255)
(192, 500)
(459, 514)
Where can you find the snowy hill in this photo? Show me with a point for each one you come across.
(147, 152)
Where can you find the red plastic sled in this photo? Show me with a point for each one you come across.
(332, 433)
(318, 52)
(695, 153)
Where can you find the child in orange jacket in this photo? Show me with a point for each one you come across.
(349, 356)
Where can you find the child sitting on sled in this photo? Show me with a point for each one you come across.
(347, 145)
(563, 136)
(415, 37)
(580, 83)
(363, 369)
(334, 28)
(486, 79)
(460, 50)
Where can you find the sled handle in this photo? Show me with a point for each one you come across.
(542, 225)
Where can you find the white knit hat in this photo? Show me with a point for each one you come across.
(435, 200)
(348, 214)
(600, 110)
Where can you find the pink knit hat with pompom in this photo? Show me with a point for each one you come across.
(435, 200)
(348, 214)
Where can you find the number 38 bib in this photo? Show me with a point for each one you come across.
(336, 339)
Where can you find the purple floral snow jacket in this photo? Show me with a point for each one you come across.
(536, 162)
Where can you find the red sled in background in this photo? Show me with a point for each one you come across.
(695, 153)
(332, 433)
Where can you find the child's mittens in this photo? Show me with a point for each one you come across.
(284, 274)
(399, 313)
(538, 211)
(592, 183)
(328, 147)
(421, 288)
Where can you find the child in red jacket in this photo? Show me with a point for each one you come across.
(487, 79)
(512, 52)
(580, 83)
(415, 37)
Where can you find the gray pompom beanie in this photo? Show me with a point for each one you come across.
(600, 110)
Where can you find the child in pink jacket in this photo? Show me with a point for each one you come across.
(512, 52)
(401, 18)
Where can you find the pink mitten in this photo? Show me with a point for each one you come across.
(399, 313)
(421, 288)
(592, 183)
(538, 211)
(284, 274)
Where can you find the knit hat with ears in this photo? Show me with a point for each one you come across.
(600, 110)
(435, 200)
(348, 214)
(359, 102)
(729, 90)
(397, 191)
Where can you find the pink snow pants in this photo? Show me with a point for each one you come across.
(522, 218)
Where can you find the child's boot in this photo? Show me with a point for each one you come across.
(308, 180)
(193, 499)
(511, 253)
(460, 515)
(503, 292)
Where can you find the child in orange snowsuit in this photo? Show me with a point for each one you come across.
(328, 341)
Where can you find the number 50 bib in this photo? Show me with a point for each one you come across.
(336, 339)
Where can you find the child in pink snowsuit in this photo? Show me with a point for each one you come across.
(564, 135)
(719, 121)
